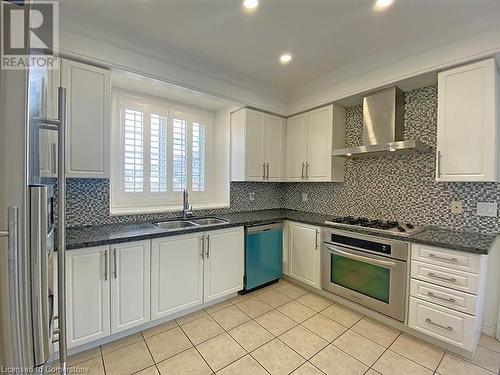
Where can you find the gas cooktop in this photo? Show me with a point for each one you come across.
(376, 225)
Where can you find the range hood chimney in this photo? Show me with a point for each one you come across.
(383, 127)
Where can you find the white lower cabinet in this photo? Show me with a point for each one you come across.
(304, 253)
(176, 274)
(447, 291)
(130, 285)
(189, 270)
(87, 295)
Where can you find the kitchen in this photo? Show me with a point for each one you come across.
(274, 207)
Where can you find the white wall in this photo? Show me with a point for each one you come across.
(492, 301)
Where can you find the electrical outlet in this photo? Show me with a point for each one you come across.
(251, 196)
(456, 207)
(486, 209)
(304, 197)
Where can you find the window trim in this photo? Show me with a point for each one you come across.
(134, 203)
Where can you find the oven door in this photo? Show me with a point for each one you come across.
(373, 281)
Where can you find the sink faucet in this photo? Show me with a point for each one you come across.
(186, 209)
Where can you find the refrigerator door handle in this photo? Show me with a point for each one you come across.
(61, 227)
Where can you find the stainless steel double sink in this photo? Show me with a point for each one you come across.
(189, 223)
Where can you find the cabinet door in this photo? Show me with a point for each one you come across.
(176, 274)
(304, 243)
(319, 144)
(130, 285)
(88, 119)
(467, 124)
(296, 145)
(224, 263)
(275, 148)
(87, 295)
(255, 145)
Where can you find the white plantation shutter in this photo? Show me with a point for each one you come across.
(163, 150)
(179, 158)
(158, 152)
(133, 137)
(198, 158)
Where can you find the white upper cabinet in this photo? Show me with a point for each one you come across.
(257, 146)
(88, 119)
(310, 139)
(467, 136)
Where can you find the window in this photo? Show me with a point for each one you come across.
(159, 150)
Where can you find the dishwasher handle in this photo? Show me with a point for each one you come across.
(264, 228)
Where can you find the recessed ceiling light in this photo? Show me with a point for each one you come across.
(251, 4)
(285, 58)
(382, 4)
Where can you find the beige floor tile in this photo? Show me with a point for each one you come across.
(324, 327)
(121, 343)
(220, 351)
(418, 351)
(307, 369)
(303, 341)
(128, 360)
(489, 342)
(274, 298)
(190, 317)
(148, 371)
(93, 366)
(168, 344)
(359, 347)
(372, 372)
(218, 306)
(277, 358)
(253, 307)
(378, 332)
(159, 328)
(251, 335)
(230, 317)
(342, 315)
(240, 298)
(315, 301)
(244, 366)
(264, 290)
(188, 362)
(453, 365)
(391, 363)
(84, 356)
(487, 358)
(275, 322)
(334, 361)
(292, 291)
(202, 329)
(297, 311)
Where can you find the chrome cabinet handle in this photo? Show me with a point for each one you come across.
(208, 246)
(307, 170)
(53, 158)
(106, 265)
(438, 164)
(450, 279)
(115, 271)
(263, 171)
(316, 239)
(448, 328)
(430, 294)
(434, 256)
(202, 246)
(267, 167)
(302, 173)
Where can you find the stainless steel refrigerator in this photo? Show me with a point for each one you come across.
(30, 326)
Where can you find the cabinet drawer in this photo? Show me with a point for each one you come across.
(466, 282)
(442, 323)
(447, 297)
(447, 258)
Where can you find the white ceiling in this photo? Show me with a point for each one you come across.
(323, 35)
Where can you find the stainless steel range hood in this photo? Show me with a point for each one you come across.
(383, 127)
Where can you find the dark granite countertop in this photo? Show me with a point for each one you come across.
(80, 237)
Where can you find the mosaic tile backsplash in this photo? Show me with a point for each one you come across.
(400, 187)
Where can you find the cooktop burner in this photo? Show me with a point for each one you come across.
(376, 225)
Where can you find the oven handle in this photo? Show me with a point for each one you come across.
(377, 262)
